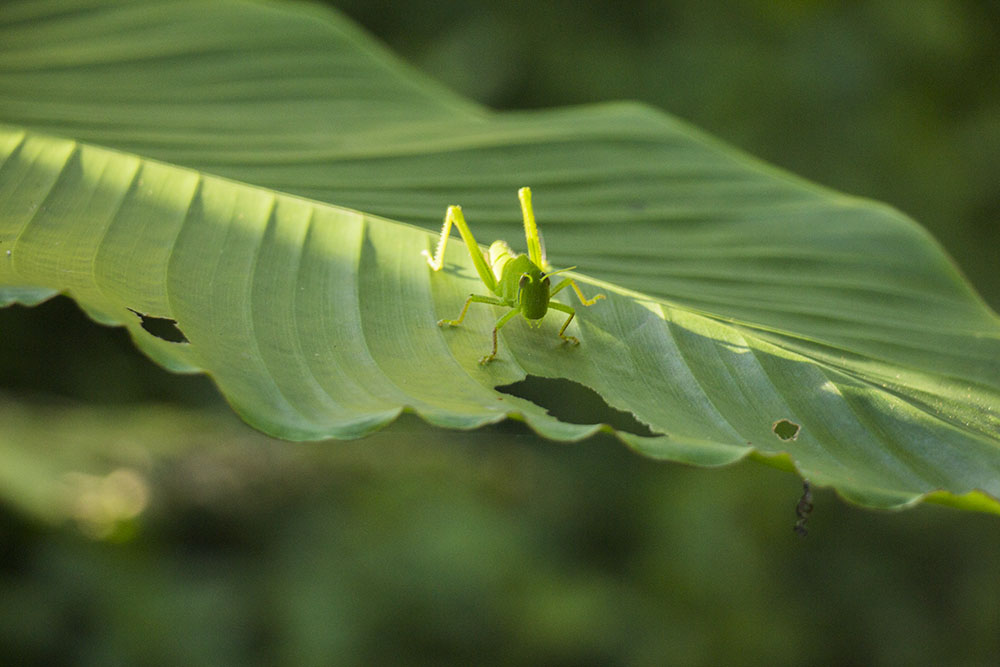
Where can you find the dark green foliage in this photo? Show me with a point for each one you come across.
(418, 547)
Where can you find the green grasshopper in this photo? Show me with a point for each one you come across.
(518, 281)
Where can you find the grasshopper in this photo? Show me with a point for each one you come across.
(519, 282)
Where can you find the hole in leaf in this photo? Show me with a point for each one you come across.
(112, 371)
(163, 328)
(785, 429)
(574, 403)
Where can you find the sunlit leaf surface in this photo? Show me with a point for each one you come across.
(240, 172)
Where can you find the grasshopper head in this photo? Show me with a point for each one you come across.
(533, 288)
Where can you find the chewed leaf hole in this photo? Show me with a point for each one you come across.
(785, 429)
(163, 328)
(574, 403)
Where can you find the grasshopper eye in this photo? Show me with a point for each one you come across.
(545, 280)
(524, 280)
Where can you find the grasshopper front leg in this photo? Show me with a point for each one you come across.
(502, 321)
(473, 298)
(476, 298)
(555, 305)
(569, 282)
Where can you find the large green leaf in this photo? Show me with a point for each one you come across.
(191, 161)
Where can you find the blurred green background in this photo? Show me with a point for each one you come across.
(142, 523)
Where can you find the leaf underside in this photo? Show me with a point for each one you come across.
(264, 178)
